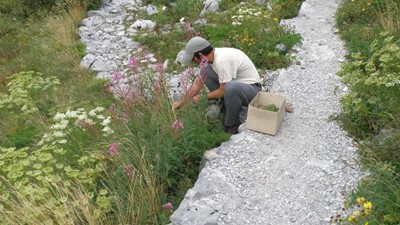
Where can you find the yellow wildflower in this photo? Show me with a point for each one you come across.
(366, 223)
(351, 218)
(360, 200)
(356, 213)
(368, 205)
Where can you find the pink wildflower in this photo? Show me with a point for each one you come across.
(133, 64)
(167, 205)
(178, 124)
(112, 107)
(157, 85)
(132, 61)
(190, 72)
(160, 67)
(117, 76)
(128, 170)
(113, 150)
(188, 27)
(203, 63)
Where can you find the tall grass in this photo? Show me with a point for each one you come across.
(388, 16)
(75, 207)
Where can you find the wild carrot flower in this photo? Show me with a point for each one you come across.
(59, 116)
(177, 125)
(106, 121)
(62, 141)
(107, 131)
(113, 150)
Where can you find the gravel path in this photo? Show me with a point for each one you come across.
(301, 175)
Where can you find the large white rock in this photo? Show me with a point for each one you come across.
(143, 24)
(152, 9)
(260, 2)
(209, 6)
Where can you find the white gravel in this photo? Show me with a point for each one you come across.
(303, 174)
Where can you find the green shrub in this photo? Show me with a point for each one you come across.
(371, 108)
(360, 22)
(247, 26)
(286, 9)
(255, 31)
(24, 91)
(22, 136)
(373, 101)
(158, 2)
(23, 9)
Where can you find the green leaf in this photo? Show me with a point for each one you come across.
(392, 218)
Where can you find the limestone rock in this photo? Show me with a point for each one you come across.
(143, 24)
(209, 6)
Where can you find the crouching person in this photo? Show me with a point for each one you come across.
(229, 75)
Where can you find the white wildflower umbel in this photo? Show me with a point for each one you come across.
(106, 121)
(247, 13)
(182, 20)
(59, 116)
(391, 84)
(65, 123)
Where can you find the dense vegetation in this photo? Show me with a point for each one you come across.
(71, 152)
(371, 109)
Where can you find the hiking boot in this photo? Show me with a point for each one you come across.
(232, 129)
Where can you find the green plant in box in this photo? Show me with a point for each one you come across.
(271, 107)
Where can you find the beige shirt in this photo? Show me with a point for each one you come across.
(233, 64)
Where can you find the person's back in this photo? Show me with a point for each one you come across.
(233, 64)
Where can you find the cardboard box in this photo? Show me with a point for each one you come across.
(263, 120)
